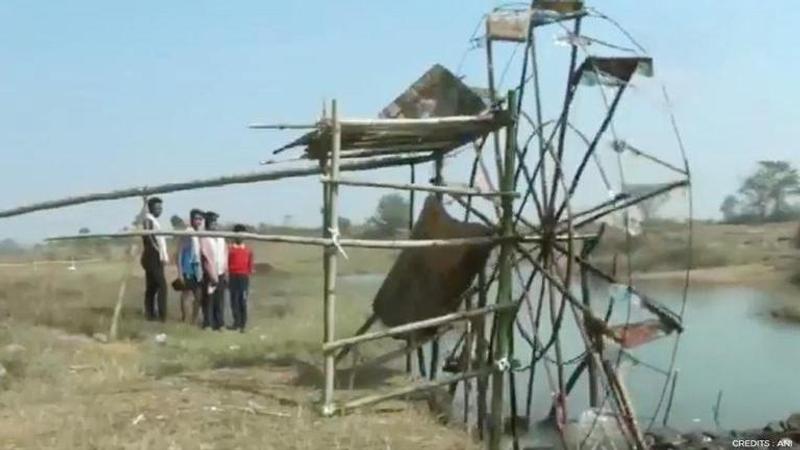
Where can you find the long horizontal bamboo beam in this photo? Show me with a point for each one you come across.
(380, 123)
(417, 187)
(306, 240)
(254, 177)
(413, 326)
(386, 357)
(411, 123)
(283, 126)
(371, 399)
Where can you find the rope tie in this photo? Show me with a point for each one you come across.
(334, 231)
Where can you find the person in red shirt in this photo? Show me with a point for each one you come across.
(240, 267)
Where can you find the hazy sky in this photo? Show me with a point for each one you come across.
(97, 95)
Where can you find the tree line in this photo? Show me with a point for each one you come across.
(765, 196)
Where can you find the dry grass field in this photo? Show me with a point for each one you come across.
(64, 388)
(201, 389)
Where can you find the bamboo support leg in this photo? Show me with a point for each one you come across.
(332, 166)
(505, 319)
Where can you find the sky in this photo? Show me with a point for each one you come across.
(99, 95)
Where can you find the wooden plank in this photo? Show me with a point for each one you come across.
(329, 347)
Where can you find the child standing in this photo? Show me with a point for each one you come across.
(240, 267)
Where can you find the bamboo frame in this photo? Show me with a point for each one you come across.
(391, 136)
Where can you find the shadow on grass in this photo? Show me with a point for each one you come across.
(311, 375)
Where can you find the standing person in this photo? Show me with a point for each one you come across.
(214, 293)
(190, 269)
(154, 258)
(240, 267)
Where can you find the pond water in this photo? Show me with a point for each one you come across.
(730, 344)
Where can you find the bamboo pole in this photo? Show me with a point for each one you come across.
(592, 147)
(594, 391)
(305, 240)
(416, 187)
(255, 177)
(113, 331)
(480, 351)
(493, 99)
(372, 399)
(329, 347)
(332, 232)
(438, 180)
(630, 202)
(411, 195)
(406, 350)
(675, 373)
(470, 336)
(411, 123)
(505, 320)
(283, 126)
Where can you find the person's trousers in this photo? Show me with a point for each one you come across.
(213, 311)
(155, 292)
(239, 287)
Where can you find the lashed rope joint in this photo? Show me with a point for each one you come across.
(502, 365)
(334, 231)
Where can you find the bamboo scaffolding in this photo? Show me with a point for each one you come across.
(254, 177)
(418, 187)
(369, 400)
(329, 347)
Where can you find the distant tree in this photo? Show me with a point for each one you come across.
(345, 225)
(390, 215)
(177, 222)
(768, 189)
(84, 230)
(730, 208)
(8, 246)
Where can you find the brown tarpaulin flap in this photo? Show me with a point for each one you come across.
(428, 282)
(617, 68)
(640, 333)
(437, 93)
